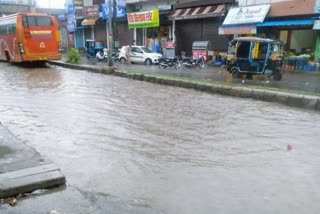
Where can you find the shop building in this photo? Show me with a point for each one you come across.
(154, 35)
(291, 21)
(199, 20)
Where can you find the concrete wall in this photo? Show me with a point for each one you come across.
(302, 39)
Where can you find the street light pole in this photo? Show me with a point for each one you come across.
(110, 36)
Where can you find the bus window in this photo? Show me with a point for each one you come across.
(12, 29)
(3, 29)
(37, 21)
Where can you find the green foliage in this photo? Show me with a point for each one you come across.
(73, 56)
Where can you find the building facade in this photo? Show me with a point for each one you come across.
(295, 22)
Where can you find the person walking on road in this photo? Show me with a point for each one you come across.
(128, 53)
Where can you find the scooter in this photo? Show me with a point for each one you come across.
(102, 55)
(191, 63)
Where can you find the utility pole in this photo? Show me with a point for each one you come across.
(110, 34)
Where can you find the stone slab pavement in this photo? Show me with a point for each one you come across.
(23, 169)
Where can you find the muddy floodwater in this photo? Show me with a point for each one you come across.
(161, 149)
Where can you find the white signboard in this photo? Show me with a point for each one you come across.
(316, 25)
(255, 2)
(245, 15)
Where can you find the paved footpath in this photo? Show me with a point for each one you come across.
(22, 169)
(217, 82)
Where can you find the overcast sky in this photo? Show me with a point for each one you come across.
(51, 3)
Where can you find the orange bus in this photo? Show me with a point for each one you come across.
(29, 37)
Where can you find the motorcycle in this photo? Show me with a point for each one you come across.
(102, 54)
(170, 63)
(191, 63)
(115, 55)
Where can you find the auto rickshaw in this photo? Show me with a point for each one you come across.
(254, 55)
(92, 47)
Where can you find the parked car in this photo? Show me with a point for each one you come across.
(140, 54)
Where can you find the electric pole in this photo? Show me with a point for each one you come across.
(110, 34)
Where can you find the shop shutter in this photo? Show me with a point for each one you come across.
(100, 33)
(210, 33)
(125, 35)
(187, 31)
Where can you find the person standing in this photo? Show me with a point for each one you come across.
(128, 53)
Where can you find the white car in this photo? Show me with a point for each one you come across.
(140, 54)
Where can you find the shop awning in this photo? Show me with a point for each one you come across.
(198, 12)
(286, 23)
(89, 21)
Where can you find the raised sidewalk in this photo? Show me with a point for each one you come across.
(287, 98)
(22, 169)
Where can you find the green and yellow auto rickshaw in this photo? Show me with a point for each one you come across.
(254, 55)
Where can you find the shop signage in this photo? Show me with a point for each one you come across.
(23, 2)
(245, 15)
(237, 30)
(143, 19)
(78, 3)
(62, 17)
(198, 53)
(71, 23)
(91, 11)
(317, 7)
(316, 25)
(71, 9)
(170, 45)
(121, 3)
(121, 10)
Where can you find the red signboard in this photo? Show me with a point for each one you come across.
(91, 11)
(197, 53)
(170, 45)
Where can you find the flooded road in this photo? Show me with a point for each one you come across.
(127, 146)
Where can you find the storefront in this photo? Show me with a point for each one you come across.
(62, 18)
(200, 23)
(289, 21)
(147, 31)
(91, 14)
(121, 36)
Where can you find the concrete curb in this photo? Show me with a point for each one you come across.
(22, 169)
(290, 99)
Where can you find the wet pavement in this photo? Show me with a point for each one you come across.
(128, 146)
(292, 80)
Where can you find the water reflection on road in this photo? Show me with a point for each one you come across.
(168, 149)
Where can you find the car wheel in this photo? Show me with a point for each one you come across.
(148, 62)
(123, 60)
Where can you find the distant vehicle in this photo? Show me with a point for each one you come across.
(166, 62)
(140, 54)
(29, 37)
(102, 54)
(254, 55)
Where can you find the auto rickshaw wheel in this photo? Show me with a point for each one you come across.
(235, 72)
(277, 76)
